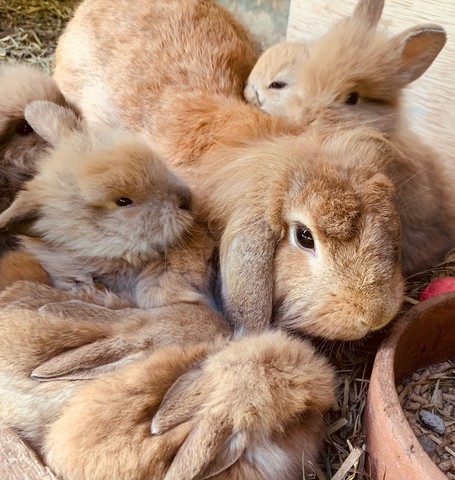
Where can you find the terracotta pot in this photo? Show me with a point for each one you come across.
(423, 336)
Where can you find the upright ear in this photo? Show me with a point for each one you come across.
(51, 121)
(21, 214)
(247, 252)
(418, 48)
(369, 11)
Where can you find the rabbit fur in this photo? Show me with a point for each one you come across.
(253, 425)
(20, 146)
(195, 118)
(150, 252)
(355, 75)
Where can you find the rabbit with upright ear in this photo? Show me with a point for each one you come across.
(105, 209)
(239, 431)
(355, 75)
(20, 146)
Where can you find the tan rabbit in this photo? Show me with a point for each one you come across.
(355, 75)
(252, 405)
(20, 146)
(104, 209)
(195, 115)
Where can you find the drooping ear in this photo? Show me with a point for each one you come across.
(369, 11)
(209, 449)
(180, 402)
(418, 46)
(51, 121)
(87, 361)
(21, 214)
(247, 251)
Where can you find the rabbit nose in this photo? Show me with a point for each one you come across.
(184, 200)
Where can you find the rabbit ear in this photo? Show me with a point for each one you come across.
(246, 262)
(85, 362)
(369, 11)
(21, 214)
(50, 121)
(418, 46)
(210, 449)
(179, 404)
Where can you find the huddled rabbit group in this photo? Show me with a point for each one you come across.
(178, 215)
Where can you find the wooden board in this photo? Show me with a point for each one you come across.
(18, 461)
(430, 100)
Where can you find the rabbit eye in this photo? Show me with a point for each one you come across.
(123, 201)
(304, 237)
(23, 128)
(278, 85)
(352, 99)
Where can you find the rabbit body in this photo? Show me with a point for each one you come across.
(105, 209)
(355, 75)
(251, 404)
(20, 146)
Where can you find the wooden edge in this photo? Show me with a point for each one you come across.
(18, 461)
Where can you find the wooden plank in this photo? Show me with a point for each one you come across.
(18, 461)
(429, 101)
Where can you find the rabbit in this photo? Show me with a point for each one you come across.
(135, 419)
(105, 211)
(20, 146)
(199, 127)
(355, 74)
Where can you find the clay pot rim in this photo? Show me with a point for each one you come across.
(383, 409)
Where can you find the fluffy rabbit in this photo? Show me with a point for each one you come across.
(254, 425)
(194, 112)
(355, 74)
(104, 209)
(20, 146)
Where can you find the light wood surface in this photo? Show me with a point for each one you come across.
(430, 100)
(18, 461)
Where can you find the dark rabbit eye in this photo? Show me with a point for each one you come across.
(123, 201)
(23, 128)
(278, 85)
(352, 99)
(304, 237)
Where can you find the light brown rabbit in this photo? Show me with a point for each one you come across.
(355, 75)
(192, 110)
(104, 209)
(20, 146)
(252, 405)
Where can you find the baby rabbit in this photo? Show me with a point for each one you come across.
(251, 425)
(105, 211)
(268, 263)
(355, 75)
(20, 146)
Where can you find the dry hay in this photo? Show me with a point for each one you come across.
(29, 31)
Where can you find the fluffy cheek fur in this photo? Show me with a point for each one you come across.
(323, 300)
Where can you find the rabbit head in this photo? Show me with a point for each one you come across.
(311, 233)
(98, 194)
(353, 73)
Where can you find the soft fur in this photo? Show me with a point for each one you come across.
(150, 252)
(355, 56)
(20, 146)
(252, 405)
(194, 115)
